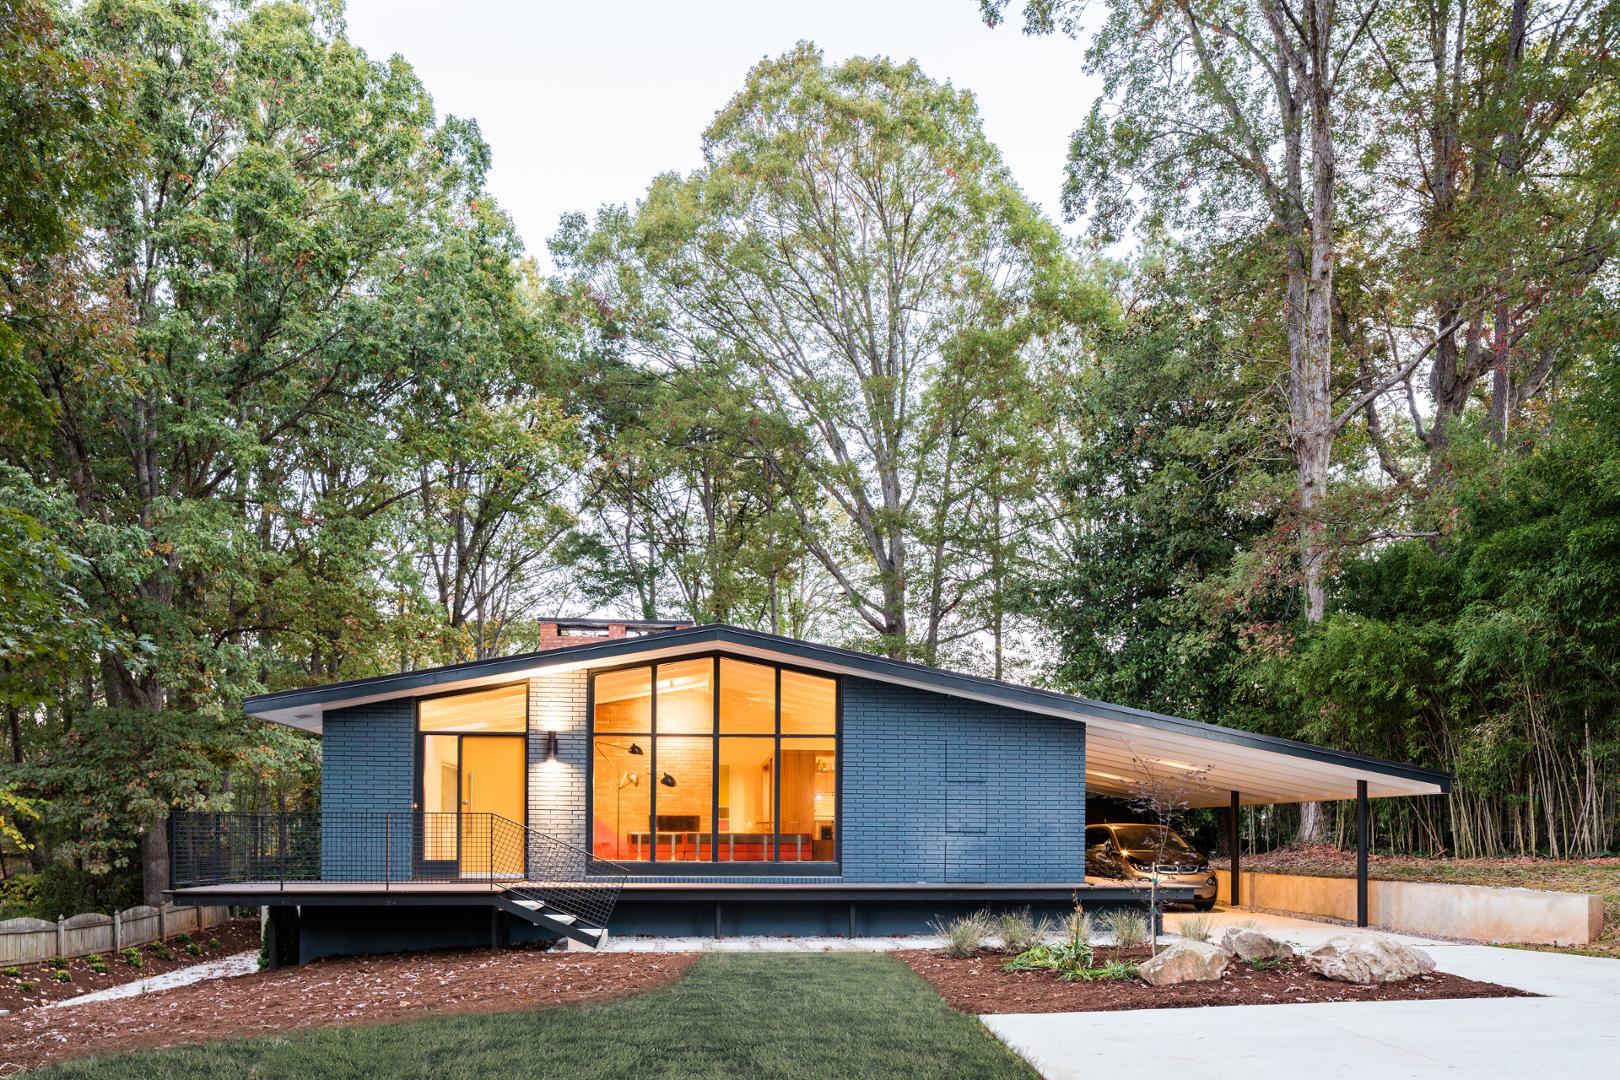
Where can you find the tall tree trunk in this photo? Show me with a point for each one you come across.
(155, 861)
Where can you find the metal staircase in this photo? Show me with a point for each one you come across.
(547, 882)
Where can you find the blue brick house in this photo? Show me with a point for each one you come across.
(710, 779)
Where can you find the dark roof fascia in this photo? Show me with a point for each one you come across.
(1010, 694)
(406, 682)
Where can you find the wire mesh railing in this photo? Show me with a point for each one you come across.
(393, 847)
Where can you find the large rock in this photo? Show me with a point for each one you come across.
(1368, 958)
(1247, 944)
(1185, 961)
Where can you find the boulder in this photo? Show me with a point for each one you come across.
(1368, 958)
(1184, 961)
(1247, 944)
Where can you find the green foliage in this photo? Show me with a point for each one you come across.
(62, 889)
(132, 956)
(62, 976)
(160, 950)
(193, 949)
(891, 393)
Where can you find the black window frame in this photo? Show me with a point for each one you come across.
(714, 866)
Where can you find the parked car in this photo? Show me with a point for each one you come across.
(1131, 851)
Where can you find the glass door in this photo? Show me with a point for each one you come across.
(492, 784)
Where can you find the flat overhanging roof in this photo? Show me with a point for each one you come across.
(1125, 747)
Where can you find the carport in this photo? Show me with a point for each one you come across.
(1220, 767)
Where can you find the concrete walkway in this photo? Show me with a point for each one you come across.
(1573, 1033)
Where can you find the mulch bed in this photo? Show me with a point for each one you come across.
(332, 993)
(36, 984)
(977, 984)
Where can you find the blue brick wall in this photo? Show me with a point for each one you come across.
(942, 789)
(935, 788)
(368, 763)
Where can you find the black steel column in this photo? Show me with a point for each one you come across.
(1233, 841)
(1362, 828)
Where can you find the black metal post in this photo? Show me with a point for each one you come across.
(1233, 842)
(388, 850)
(168, 826)
(1362, 840)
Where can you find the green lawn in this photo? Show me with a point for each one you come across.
(734, 1016)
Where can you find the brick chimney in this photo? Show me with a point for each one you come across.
(561, 633)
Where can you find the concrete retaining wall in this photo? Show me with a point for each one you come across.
(1476, 912)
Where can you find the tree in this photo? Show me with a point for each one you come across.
(1172, 477)
(253, 250)
(854, 257)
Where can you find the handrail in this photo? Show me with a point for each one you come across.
(389, 847)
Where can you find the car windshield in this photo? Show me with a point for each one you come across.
(1147, 838)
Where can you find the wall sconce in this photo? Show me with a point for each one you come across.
(551, 746)
(667, 780)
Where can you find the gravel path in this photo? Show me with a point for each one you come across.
(241, 963)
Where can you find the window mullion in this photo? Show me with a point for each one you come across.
(776, 772)
(714, 763)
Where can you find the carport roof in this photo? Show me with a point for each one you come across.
(1122, 743)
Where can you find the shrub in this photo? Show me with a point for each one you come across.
(1019, 931)
(15, 973)
(1129, 927)
(160, 950)
(965, 934)
(132, 956)
(62, 976)
(94, 958)
(25, 987)
(1112, 971)
(56, 963)
(213, 943)
(194, 949)
(183, 938)
(99, 967)
(1266, 964)
(1197, 928)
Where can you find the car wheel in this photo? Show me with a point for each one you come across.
(1203, 905)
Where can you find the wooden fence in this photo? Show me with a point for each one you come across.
(28, 941)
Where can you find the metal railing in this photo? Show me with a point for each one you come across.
(393, 847)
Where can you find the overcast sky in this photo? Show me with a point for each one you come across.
(583, 103)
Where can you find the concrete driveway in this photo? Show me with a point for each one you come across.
(1573, 1033)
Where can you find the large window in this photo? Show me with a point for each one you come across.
(714, 760)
